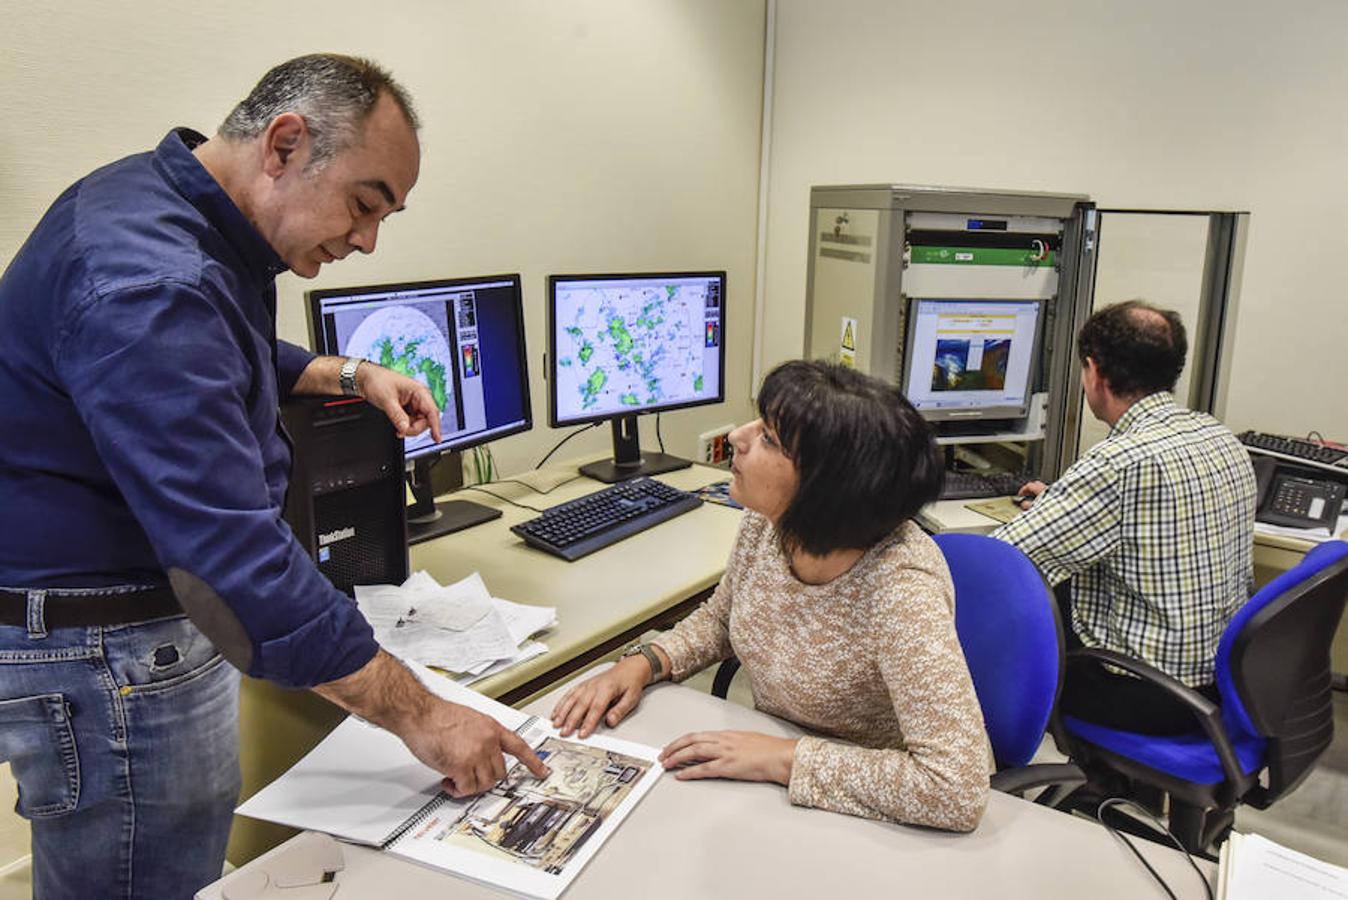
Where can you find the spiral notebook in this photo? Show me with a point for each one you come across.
(361, 784)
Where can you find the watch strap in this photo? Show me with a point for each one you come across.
(646, 650)
(346, 376)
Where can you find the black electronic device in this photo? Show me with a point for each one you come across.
(345, 502)
(964, 485)
(461, 337)
(1297, 497)
(623, 345)
(580, 527)
(1297, 450)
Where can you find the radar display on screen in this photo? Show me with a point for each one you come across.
(462, 338)
(405, 339)
(635, 345)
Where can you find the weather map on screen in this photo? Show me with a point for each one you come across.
(625, 346)
(405, 339)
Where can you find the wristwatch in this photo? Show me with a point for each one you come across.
(346, 376)
(652, 657)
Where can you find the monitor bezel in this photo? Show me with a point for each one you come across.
(318, 341)
(974, 413)
(554, 421)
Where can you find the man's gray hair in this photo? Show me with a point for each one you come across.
(333, 93)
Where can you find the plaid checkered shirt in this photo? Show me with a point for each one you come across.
(1155, 527)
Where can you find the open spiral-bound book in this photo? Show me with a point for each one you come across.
(362, 784)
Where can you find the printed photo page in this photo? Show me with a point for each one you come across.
(532, 837)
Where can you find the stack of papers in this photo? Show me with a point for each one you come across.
(1316, 535)
(1252, 867)
(460, 628)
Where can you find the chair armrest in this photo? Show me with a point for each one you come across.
(1027, 778)
(725, 672)
(1207, 713)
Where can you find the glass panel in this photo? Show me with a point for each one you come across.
(1157, 257)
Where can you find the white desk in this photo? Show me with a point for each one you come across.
(604, 601)
(734, 839)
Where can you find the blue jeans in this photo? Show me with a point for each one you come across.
(124, 744)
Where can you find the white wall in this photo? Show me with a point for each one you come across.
(585, 136)
(1218, 104)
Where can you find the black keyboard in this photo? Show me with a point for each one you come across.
(1297, 450)
(968, 485)
(583, 526)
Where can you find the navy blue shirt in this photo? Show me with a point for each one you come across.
(139, 381)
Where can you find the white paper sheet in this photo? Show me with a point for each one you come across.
(528, 650)
(361, 782)
(458, 651)
(525, 621)
(1261, 869)
(460, 628)
(421, 599)
(1317, 535)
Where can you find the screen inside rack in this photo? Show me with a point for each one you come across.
(967, 356)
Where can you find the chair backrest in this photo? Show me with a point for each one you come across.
(1008, 627)
(1273, 668)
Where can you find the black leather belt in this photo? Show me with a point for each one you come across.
(91, 608)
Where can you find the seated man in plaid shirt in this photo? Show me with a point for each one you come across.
(1148, 538)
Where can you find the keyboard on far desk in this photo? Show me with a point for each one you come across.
(1331, 459)
(572, 530)
(968, 485)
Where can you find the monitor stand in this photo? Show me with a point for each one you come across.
(427, 519)
(628, 461)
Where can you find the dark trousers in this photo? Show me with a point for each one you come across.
(1092, 693)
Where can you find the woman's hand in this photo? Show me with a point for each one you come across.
(742, 755)
(615, 691)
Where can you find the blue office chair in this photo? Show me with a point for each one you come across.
(1007, 623)
(1276, 715)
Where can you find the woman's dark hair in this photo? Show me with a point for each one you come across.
(866, 460)
(1138, 348)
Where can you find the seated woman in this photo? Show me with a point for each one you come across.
(840, 609)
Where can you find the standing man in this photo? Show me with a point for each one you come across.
(1149, 537)
(143, 472)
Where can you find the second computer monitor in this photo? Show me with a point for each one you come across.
(463, 338)
(623, 345)
(971, 359)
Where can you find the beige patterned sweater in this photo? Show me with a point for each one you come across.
(870, 659)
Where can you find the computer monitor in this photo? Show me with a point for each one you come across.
(971, 359)
(461, 337)
(623, 345)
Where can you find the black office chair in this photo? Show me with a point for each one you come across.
(1275, 720)
(1007, 623)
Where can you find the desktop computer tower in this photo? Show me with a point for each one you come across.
(346, 503)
